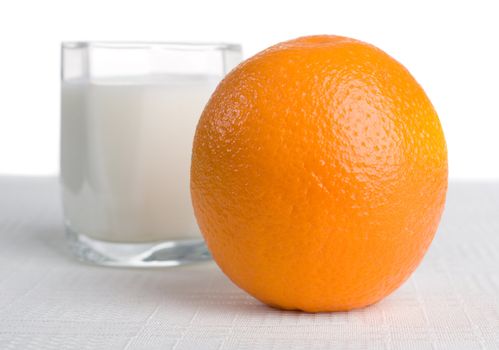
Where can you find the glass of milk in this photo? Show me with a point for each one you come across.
(128, 116)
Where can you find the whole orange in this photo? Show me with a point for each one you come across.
(319, 174)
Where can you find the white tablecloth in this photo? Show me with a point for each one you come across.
(50, 301)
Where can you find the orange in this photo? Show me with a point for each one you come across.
(319, 174)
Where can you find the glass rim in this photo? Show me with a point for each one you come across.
(167, 45)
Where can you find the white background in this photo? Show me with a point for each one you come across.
(452, 48)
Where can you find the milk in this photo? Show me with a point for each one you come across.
(125, 156)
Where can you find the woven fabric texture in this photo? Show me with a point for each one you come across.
(50, 301)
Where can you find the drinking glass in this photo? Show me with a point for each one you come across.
(128, 116)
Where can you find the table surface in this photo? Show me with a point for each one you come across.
(50, 301)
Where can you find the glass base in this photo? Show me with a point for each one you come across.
(156, 254)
